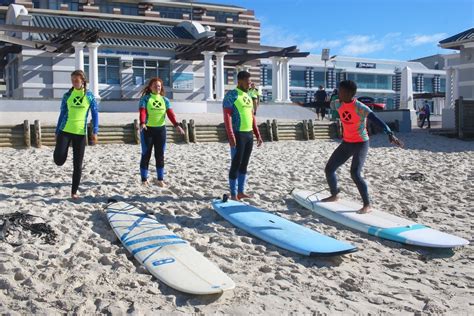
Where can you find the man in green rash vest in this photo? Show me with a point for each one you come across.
(240, 122)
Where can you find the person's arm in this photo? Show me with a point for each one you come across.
(228, 106)
(256, 131)
(94, 113)
(142, 111)
(62, 113)
(391, 137)
(170, 113)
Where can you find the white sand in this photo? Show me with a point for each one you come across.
(89, 271)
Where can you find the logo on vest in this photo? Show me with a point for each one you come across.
(77, 101)
(247, 101)
(346, 116)
(156, 104)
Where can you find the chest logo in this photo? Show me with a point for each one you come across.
(346, 116)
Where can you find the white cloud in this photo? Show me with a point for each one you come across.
(349, 45)
(422, 39)
(356, 45)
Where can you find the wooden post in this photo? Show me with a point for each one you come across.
(37, 133)
(275, 130)
(311, 130)
(184, 124)
(27, 133)
(460, 118)
(192, 131)
(136, 131)
(269, 131)
(305, 130)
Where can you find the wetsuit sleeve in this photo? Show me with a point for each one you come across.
(94, 113)
(228, 123)
(62, 113)
(229, 100)
(170, 113)
(142, 109)
(172, 117)
(142, 112)
(256, 131)
(374, 118)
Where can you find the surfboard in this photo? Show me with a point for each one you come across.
(164, 254)
(377, 223)
(279, 231)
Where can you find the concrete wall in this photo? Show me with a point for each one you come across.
(404, 117)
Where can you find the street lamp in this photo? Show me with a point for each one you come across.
(325, 58)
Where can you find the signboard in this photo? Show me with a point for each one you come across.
(366, 65)
(183, 81)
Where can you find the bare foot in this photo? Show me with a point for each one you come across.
(75, 196)
(234, 198)
(146, 183)
(332, 198)
(241, 196)
(161, 183)
(365, 209)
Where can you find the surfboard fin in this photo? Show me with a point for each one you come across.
(225, 198)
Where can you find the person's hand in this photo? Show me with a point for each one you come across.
(143, 126)
(94, 139)
(394, 140)
(259, 142)
(180, 130)
(232, 142)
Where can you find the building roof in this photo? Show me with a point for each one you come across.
(457, 40)
(115, 27)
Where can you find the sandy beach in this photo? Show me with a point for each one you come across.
(88, 271)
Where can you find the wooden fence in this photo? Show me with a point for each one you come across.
(26, 135)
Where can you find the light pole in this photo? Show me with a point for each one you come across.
(325, 58)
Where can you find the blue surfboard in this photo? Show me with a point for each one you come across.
(279, 231)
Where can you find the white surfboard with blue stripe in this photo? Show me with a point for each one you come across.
(377, 223)
(165, 255)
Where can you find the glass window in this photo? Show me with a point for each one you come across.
(318, 78)
(109, 69)
(383, 82)
(144, 70)
(442, 86)
(172, 13)
(428, 85)
(229, 74)
(297, 78)
(222, 16)
(269, 76)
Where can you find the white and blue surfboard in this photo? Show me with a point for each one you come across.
(279, 231)
(377, 223)
(164, 254)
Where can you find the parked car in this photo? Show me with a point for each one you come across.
(370, 102)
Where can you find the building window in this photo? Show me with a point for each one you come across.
(269, 76)
(442, 85)
(297, 78)
(318, 79)
(222, 16)
(428, 85)
(126, 9)
(240, 36)
(109, 69)
(230, 76)
(369, 81)
(172, 13)
(144, 70)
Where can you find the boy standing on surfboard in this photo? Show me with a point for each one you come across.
(355, 141)
(239, 120)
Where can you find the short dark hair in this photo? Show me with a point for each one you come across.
(243, 75)
(349, 86)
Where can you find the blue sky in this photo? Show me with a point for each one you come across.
(388, 29)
